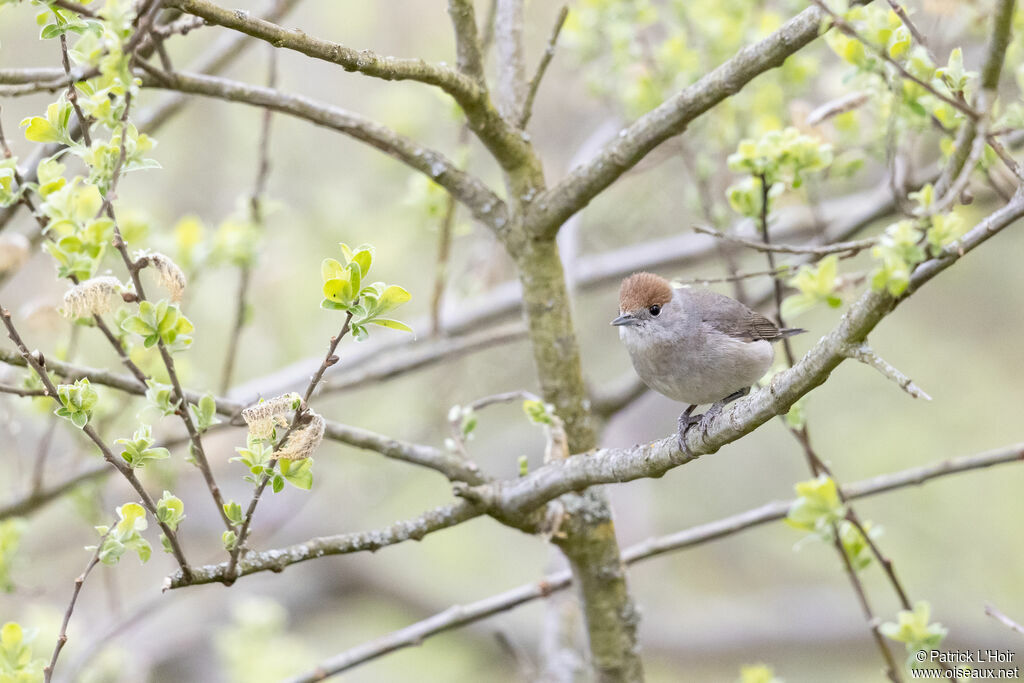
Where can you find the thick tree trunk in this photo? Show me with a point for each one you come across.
(588, 532)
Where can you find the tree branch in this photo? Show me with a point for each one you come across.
(457, 616)
(454, 468)
(740, 418)
(542, 67)
(484, 204)
(37, 366)
(555, 206)
(504, 142)
(62, 637)
(511, 86)
(276, 560)
(467, 40)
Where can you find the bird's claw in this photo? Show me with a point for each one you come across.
(686, 421)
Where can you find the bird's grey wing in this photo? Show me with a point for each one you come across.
(733, 318)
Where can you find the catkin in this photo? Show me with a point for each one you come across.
(303, 441)
(265, 415)
(92, 297)
(168, 274)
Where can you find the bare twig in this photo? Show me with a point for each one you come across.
(455, 617)
(484, 204)
(72, 92)
(276, 560)
(256, 216)
(848, 248)
(38, 498)
(1003, 619)
(542, 67)
(914, 31)
(865, 354)
(892, 669)
(62, 637)
(444, 249)
(268, 473)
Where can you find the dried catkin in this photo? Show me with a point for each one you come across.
(92, 297)
(168, 274)
(303, 441)
(265, 415)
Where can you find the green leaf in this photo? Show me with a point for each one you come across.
(41, 130)
(329, 305)
(363, 258)
(338, 290)
(278, 483)
(331, 269)
(393, 324)
(392, 297)
(233, 511)
(298, 473)
(354, 277)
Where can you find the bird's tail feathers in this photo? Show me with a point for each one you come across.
(790, 331)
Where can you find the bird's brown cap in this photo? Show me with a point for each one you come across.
(643, 290)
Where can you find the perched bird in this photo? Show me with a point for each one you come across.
(694, 345)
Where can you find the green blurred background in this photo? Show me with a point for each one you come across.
(753, 597)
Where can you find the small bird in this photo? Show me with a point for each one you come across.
(694, 345)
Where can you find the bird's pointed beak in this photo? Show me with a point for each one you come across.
(625, 319)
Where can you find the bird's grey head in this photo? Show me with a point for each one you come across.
(645, 305)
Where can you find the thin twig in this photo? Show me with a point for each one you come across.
(462, 615)
(850, 248)
(1002, 618)
(918, 36)
(134, 268)
(62, 637)
(268, 473)
(83, 121)
(542, 67)
(74, 7)
(444, 249)
(865, 354)
(37, 366)
(883, 54)
(256, 215)
(892, 669)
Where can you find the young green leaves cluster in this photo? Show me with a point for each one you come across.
(915, 631)
(819, 510)
(76, 402)
(906, 243)
(162, 321)
(79, 237)
(139, 449)
(882, 30)
(815, 284)
(125, 535)
(170, 511)
(344, 290)
(16, 662)
(779, 159)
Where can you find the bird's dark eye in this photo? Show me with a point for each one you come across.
(655, 309)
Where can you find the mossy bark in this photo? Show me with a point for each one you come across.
(587, 535)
